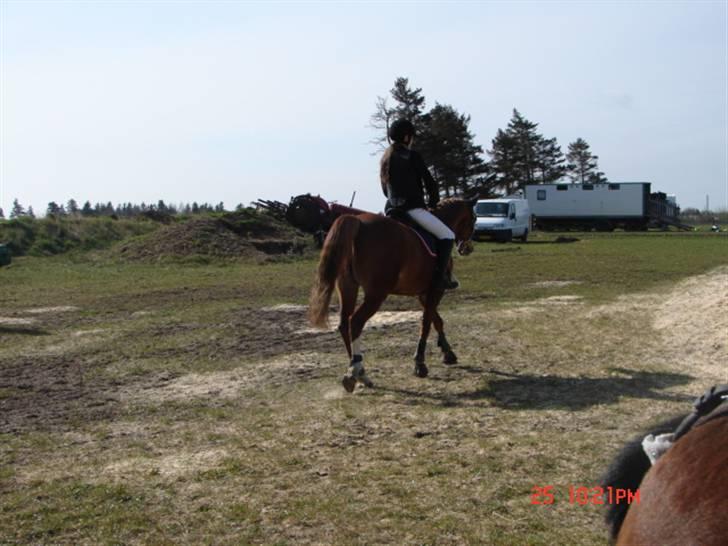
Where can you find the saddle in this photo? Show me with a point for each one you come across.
(427, 238)
(712, 404)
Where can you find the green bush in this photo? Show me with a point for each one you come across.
(55, 235)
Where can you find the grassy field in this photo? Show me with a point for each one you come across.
(190, 404)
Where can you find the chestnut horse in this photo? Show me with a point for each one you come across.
(383, 257)
(682, 497)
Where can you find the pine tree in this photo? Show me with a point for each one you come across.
(504, 161)
(2, 214)
(53, 209)
(72, 207)
(549, 161)
(527, 142)
(446, 142)
(87, 210)
(521, 156)
(30, 213)
(17, 211)
(582, 166)
(409, 104)
(442, 136)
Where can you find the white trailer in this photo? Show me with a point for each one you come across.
(628, 205)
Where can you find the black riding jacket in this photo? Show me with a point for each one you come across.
(404, 178)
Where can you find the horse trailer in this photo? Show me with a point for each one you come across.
(603, 207)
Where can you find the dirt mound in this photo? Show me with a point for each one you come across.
(245, 234)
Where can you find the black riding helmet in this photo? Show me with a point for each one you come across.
(400, 129)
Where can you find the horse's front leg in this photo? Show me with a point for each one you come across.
(430, 304)
(448, 356)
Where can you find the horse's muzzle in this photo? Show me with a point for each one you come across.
(465, 248)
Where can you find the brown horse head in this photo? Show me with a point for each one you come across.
(459, 215)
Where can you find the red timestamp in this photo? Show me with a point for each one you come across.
(546, 494)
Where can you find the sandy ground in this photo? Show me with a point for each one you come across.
(693, 322)
(690, 319)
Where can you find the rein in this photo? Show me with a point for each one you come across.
(464, 246)
(708, 401)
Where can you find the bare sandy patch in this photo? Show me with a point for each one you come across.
(538, 306)
(559, 300)
(553, 284)
(693, 322)
(379, 320)
(286, 307)
(388, 318)
(51, 310)
(15, 321)
(81, 333)
(228, 384)
(167, 466)
(80, 339)
(625, 304)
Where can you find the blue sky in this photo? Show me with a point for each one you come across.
(234, 101)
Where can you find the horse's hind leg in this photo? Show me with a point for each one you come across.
(363, 313)
(348, 289)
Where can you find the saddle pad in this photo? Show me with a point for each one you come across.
(428, 239)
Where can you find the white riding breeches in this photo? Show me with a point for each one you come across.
(431, 223)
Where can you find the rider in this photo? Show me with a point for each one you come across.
(403, 173)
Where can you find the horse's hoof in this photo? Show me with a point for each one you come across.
(366, 382)
(449, 358)
(421, 370)
(349, 383)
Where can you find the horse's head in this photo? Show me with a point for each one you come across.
(459, 216)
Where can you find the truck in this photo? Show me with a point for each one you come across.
(503, 219)
(631, 206)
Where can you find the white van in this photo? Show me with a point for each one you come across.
(503, 219)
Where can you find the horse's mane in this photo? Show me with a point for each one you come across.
(446, 206)
(627, 470)
(450, 201)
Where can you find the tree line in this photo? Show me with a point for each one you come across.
(122, 210)
(519, 154)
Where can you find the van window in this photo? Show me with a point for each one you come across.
(541, 195)
(613, 186)
(491, 209)
(562, 187)
(587, 186)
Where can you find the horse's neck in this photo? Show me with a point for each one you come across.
(448, 216)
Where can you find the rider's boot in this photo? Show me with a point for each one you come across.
(442, 278)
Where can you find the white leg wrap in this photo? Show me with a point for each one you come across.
(356, 346)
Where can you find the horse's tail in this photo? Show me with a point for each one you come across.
(335, 256)
(627, 471)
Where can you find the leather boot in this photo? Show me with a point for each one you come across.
(442, 278)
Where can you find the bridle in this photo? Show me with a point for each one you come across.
(465, 246)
